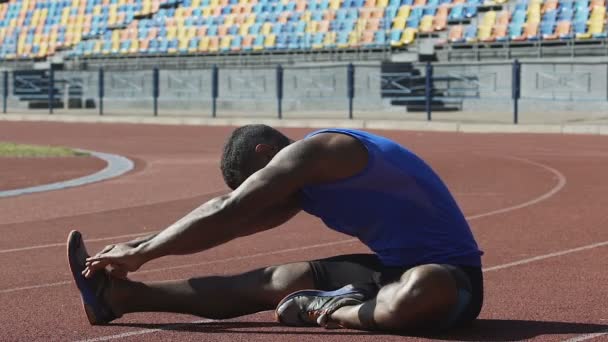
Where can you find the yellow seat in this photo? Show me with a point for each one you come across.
(353, 39)
(97, 47)
(225, 43)
(250, 20)
(404, 11)
(270, 40)
(203, 44)
(484, 32)
(244, 29)
(183, 43)
(489, 18)
(266, 28)
(330, 39)
(426, 24)
(171, 32)
(409, 35)
(311, 27)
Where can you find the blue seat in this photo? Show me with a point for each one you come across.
(255, 28)
(173, 44)
(318, 38)
(396, 35)
(519, 17)
(259, 40)
(317, 16)
(390, 13)
(515, 30)
(342, 37)
(471, 8)
(277, 28)
(233, 30)
(414, 18)
(547, 28)
(163, 46)
(429, 10)
(193, 43)
(457, 12)
(566, 14)
(282, 41)
(301, 27)
(294, 42)
(306, 42)
(470, 32)
(124, 46)
(550, 16)
(380, 38)
(212, 30)
(579, 27)
(107, 45)
(581, 14)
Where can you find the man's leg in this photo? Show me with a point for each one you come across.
(426, 296)
(213, 297)
(422, 298)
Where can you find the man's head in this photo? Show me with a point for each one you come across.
(249, 149)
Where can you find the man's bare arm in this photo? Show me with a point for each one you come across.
(265, 200)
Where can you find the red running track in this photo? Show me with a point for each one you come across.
(536, 204)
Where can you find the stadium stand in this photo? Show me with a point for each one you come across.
(87, 28)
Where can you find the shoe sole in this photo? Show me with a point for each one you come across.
(75, 238)
(310, 292)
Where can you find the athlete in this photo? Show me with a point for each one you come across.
(424, 273)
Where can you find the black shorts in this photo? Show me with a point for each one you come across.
(335, 272)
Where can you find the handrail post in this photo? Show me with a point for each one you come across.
(428, 89)
(155, 89)
(279, 82)
(51, 88)
(214, 89)
(516, 89)
(350, 88)
(4, 90)
(100, 90)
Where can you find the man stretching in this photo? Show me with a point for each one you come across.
(425, 272)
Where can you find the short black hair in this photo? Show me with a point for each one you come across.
(240, 150)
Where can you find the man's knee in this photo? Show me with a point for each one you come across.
(281, 280)
(424, 296)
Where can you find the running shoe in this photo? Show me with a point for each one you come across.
(314, 307)
(91, 289)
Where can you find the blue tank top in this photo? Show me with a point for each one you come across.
(397, 206)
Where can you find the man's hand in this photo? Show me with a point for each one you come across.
(121, 258)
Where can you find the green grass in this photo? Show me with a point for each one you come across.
(8, 149)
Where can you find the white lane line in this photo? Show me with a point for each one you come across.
(145, 331)
(586, 337)
(62, 244)
(33, 287)
(561, 182)
(116, 166)
(555, 189)
(545, 256)
(494, 268)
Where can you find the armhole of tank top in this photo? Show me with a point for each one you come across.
(370, 154)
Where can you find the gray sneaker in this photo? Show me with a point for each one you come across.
(314, 307)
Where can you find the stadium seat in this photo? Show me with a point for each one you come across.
(456, 34)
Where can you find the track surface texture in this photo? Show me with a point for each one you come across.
(25, 172)
(536, 203)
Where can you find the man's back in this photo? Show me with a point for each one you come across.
(397, 206)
